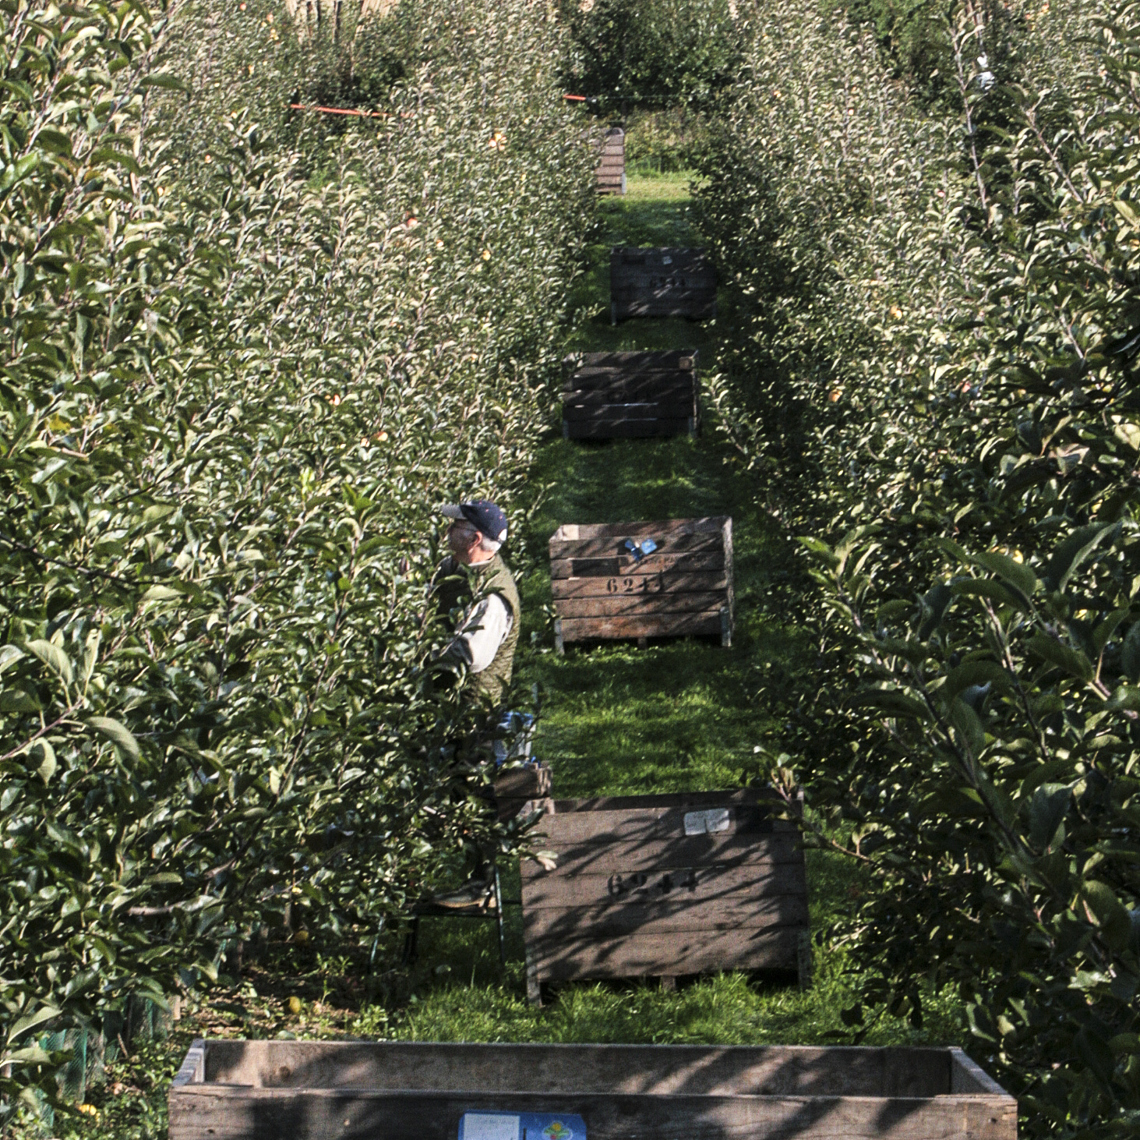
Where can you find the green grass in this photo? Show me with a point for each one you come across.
(678, 715)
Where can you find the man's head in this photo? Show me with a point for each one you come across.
(478, 531)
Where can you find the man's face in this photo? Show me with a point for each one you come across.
(463, 539)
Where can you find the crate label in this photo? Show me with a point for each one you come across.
(490, 1126)
(521, 1126)
(708, 821)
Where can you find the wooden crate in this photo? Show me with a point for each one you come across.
(661, 283)
(522, 791)
(658, 886)
(626, 395)
(316, 1090)
(611, 162)
(603, 590)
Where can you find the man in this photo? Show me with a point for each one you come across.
(477, 594)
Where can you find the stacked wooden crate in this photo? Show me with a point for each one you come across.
(670, 578)
(665, 885)
(611, 162)
(663, 282)
(628, 395)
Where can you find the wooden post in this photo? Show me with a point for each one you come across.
(499, 918)
(533, 986)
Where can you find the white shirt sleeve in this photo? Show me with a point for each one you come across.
(482, 633)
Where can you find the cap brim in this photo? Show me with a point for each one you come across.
(451, 511)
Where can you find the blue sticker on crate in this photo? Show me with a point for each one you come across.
(640, 549)
(521, 1126)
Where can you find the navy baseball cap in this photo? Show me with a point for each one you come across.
(483, 515)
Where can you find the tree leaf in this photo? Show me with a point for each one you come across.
(1047, 810)
(115, 732)
(893, 702)
(1130, 653)
(31, 1020)
(975, 673)
(934, 604)
(54, 658)
(1015, 574)
(969, 727)
(1111, 914)
(43, 755)
(1068, 557)
(1072, 661)
(166, 81)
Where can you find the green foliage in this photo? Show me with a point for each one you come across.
(935, 369)
(665, 142)
(649, 53)
(242, 362)
(911, 35)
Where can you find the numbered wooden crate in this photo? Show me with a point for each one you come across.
(658, 886)
(363, 1090)
(661, 283)
(628, 395)
(670, 578)
(611, 162)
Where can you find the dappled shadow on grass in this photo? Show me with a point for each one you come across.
(673, 717)
(727, 1009)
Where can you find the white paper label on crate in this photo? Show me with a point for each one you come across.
(708, 821)
(489, 1126)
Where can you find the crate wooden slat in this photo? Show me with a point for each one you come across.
(520, 791)
(658, 886)
(661, 282)
(608, 395)
(610, 171)
(602, 590)
(313, 1090)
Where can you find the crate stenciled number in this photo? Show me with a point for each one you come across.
(661, 282)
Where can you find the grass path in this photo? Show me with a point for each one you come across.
(678, 715)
